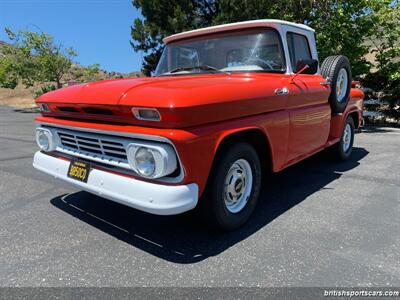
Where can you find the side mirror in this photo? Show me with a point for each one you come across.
(301, 66)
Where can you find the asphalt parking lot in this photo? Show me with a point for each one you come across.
(319, 223)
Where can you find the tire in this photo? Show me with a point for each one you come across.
(337, 70)
(216, 205)
(342, 150)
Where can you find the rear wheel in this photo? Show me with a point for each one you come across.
(342, 150)
(233, 188)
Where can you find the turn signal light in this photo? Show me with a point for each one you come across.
(146, 114)
(44, 107)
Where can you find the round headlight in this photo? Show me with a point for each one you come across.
(145, 162)
(44, 139)
(150, 159)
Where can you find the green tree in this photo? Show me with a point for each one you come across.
(384, 80)
(33, 57)
(163, 18)
(341, 26)
(82, 74)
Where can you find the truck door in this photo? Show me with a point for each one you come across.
(308, 107)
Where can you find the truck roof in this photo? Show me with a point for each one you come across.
(234, 26)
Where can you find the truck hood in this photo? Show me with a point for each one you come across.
(183, 100)
(106, 92)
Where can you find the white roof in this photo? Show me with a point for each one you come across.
(234, 26)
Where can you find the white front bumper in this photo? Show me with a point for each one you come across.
(150, 197)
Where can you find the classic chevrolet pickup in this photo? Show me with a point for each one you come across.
(226, 105)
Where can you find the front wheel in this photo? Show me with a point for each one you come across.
(233, 188)
(343, 149)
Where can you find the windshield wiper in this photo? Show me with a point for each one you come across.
(202, 67)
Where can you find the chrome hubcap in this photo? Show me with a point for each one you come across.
(346, 138)
(238, 184)
(341, 85)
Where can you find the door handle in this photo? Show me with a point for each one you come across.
(282, 91)
(324, 83)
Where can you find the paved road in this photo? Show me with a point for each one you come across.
(319, 224)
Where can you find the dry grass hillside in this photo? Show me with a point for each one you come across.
(19, 97)
(22, 97)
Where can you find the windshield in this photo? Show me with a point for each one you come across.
(245, 50)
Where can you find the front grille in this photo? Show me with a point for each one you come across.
(93, 145)
(106, 150)
(97, 111)
(67, 109)
(88, 110)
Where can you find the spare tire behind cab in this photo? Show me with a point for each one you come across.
(337, 70)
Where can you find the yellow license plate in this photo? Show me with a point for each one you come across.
(79, 170)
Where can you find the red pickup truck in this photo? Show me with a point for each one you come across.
(226, 105)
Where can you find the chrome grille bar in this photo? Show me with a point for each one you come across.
(97, 147)
(80, 141)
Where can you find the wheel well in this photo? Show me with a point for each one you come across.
(355, 117)
(254, 137)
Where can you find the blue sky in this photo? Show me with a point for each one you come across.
(99, 30)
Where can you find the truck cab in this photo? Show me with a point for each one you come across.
(226, 105)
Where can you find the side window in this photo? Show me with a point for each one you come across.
(299, 48)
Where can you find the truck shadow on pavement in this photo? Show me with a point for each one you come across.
(183, 238)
